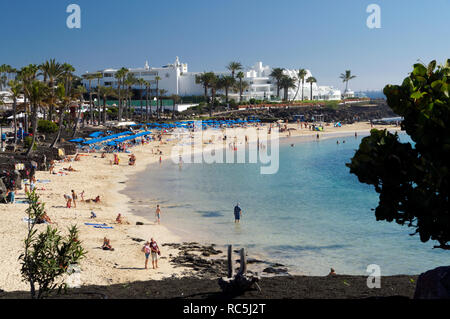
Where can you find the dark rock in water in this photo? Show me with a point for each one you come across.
(139, 223)
(277, 271)
(253, 261)
(434, 284)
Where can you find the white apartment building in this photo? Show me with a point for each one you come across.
(176, 79)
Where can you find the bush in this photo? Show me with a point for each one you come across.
(27, 142)
(47, 127)
(48, 255)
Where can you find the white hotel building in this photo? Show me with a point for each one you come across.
(176, 79)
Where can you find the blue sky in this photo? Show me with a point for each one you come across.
(325, 36)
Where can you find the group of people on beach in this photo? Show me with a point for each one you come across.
(73, 197)
(151, 248)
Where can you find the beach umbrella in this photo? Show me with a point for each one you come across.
(77, 140)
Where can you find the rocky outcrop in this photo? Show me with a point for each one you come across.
(434, 284)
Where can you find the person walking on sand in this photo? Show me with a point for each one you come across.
(237, 213)
(158, 214)
(155, 253)
(74, 198)
(146, 250)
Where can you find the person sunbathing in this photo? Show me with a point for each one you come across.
(77, 157)
(103, 155)
(95, 200)
(44, 219)
(70, 169)
(132, 160)
(120, 220)
(107, 244)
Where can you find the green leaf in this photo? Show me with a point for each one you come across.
(419, 69)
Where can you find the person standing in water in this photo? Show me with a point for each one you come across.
(158, 214)
(237, 213)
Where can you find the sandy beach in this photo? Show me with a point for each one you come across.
(96, 176)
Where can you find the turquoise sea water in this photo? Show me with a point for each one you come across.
(312, 215)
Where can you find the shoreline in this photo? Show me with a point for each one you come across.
(307, 137)
(96, 176)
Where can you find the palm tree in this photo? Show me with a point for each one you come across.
(98, 76)
(240, 87)
(4, 71)
(301, 80)
(27, 75)
(214, 84)
(204, 79)
(51, 71)
(157, 79)
(78, 93)
(64, 101)
(176, 99)
(105, 92)
(129, 82)
(226, 82)
(277, 74)
(120, 76)
(63, 93)
(233, 67)
(162, 92)
(37, 92)
(311, 80)
(287, 83)
(90, 77)
(240, 75)
(147, 90)
(141, 83)
(16, 89)
(345, 77)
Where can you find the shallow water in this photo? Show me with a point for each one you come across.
(312, 215)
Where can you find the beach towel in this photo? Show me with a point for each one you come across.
(43, 181)
(26, 219)
(91, 224)
(104, 227)
(21, 202)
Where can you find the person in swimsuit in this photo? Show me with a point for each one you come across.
(155, 252)
(158, 214)
(74, 198)
(147, 250)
